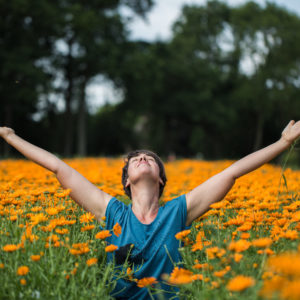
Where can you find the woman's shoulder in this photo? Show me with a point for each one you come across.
(176, 202)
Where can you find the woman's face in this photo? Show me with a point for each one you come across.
(142, 166)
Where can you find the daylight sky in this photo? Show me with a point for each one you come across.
(158, 26)
(165, 12)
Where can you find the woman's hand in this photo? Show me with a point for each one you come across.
(291, 132)
(5, 132)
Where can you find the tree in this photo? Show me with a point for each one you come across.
(23, 44)
(93, 33)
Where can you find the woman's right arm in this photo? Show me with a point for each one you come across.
(83, 192)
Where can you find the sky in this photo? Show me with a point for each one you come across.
(158, 26)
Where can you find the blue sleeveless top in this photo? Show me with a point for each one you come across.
(155, 245)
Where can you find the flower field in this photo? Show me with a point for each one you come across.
(245, 247)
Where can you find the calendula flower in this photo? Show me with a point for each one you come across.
(87, 218)
(262, 242)
(92, 261)
(117, 229)
(240, 283)
(35, 257)
(239, 246)
(52, 211)
(146, 281)
(23, 270)
(129, 273)
(180, 276)
(10, 248)
(102, 234)
(182, 234)
(111, 248)
(23, 281)
(87, 227)
(237, 257)
(1, 266)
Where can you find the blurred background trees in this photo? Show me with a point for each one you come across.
(189, 96)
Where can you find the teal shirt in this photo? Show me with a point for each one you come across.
(149, 255)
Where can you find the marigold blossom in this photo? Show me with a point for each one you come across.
(35, 257)
(92, 261)
(111, 248)
(102, 234)
(117, 229)
(240, 283)
(23, 270)
(146, 281)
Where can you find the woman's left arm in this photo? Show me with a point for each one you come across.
(215, 188)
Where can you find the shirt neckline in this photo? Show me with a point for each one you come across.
(139, 222)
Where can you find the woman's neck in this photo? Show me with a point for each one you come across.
(145, 203)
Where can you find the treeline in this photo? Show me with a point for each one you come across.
(225, 83)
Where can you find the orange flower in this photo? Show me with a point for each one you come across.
(52, 211)
(23, 281)
(1, 266)
(80, 248)
(245, 235)
(240, 283)
(117, 229)
(146, 281)
(35, 257)
(102, 234)
(87, 227)
(87, 218)
(62, 231)
(239, 246)
(262, 242)
(92, 261)
(23, 270)
(182, 234)
(10, 248)
(111, 248)
(129, 273)
(180, 276)
(201, 266)
(237, 257)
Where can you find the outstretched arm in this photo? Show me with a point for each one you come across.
(86, 194)
(215, 188)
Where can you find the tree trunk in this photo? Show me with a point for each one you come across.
(69, 98)
(259, 132)
(81, 121)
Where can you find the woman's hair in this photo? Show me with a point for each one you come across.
(162, 173)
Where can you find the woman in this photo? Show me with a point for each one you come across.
(147, 240)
